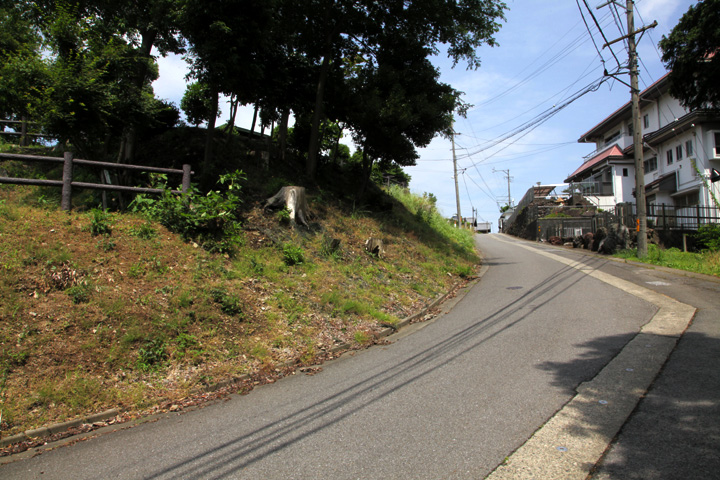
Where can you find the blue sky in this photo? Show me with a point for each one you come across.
(545, 55)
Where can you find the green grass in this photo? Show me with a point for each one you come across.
(122, 299)
(707, 262)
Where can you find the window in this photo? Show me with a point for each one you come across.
(678, 152)
(630, 129)
(650, 165)
(625, 172)
(688, 148)
(646, 121)
(669, 156)
(690, 199)
(613, 137)
(717, 144)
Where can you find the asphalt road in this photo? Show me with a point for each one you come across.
(450, 398)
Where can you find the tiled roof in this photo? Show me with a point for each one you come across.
(613, 151)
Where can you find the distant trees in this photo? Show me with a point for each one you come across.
(362, 64)
(692, 52)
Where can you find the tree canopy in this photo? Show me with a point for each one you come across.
(690, 52)
(365, 64)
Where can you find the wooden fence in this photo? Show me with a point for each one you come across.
(67, 182)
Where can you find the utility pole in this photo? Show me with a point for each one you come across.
(457, 189)
(507, 175)
(637, 126)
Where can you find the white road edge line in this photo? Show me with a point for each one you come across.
(573, 440)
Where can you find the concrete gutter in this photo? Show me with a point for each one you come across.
(571, 443)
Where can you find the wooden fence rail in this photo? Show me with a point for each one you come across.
(67, 183)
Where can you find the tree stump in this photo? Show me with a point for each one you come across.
(374, 246)
(292, 198)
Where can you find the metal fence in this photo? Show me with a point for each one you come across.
(660, 217)
(669, 217)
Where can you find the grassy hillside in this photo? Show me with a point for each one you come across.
(115, 311)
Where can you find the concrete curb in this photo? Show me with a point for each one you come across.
(569, 445)
(59, 427)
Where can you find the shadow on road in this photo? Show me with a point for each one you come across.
(231, 457)
(674, 432)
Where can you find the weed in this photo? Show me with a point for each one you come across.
(292, 254)
(709, 236)
(283, 216)
(464, 271)
(211, 220)
(106, 244)
(185, 341)
(79, 293)
(151, 355)
(100, 222)
(229, 304)
(185, 299)
(7, 213)
(165, 290)
(257, 267)
(145, 231)
(136, 270)
(330, 248)
(361, 337)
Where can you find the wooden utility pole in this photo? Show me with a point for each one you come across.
(457, 189)
(637, 126)
(637, 137)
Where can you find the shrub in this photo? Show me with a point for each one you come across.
(292, 254)
(708, 236)
(211, 220)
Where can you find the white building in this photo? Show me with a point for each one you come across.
(673, 139)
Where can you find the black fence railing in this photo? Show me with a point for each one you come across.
(542, 223)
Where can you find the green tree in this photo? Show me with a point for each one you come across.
(690, 52)
(99, 68)
(197, 103)
(398, 105)
(338, 30)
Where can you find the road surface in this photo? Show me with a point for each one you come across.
(449, 398)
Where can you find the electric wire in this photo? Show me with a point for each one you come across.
(592, 15)
(570, 47)
(530, 125)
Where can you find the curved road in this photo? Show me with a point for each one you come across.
(450, 398)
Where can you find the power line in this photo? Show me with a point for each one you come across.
(601, 32)
(573, 45)
(530, 125)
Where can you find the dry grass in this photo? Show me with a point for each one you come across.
(139, 319)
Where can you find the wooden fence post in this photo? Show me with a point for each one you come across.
(66, 202)
(186, 178)
(23, 132)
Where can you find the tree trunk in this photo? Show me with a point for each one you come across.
(337, 145)
(209, 139)
(282, 134)
(129, 136)
(234, 102)
(367, 163)
(255, 114)
(311, 166)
